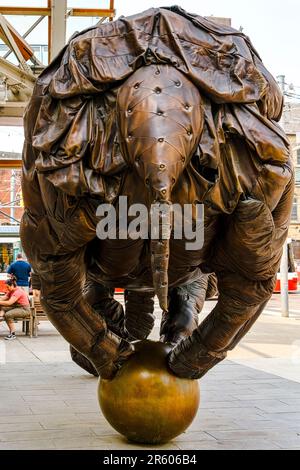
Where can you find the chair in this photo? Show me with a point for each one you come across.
(38, 315)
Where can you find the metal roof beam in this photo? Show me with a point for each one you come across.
(10, 163)
(92, 12)
(11, 121)
(21, 50)
(35, 11)
(32, 27)
(15, 75)
(13, 108)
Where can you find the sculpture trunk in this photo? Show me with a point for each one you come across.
(160, 120)
(160, 250)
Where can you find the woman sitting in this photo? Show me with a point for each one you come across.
(15, 304)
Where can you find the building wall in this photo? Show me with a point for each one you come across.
(10, 196)
(294, 230)
(291, 123)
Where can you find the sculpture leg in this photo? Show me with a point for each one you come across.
(139, 316)
(241, 299)
(221, 330)
(83, 361)
(101, 299)
(86, 330)
(185, 303)
(136, 324)
(56, 233)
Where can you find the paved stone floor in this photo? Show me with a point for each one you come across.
(251, 401)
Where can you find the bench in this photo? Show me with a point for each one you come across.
(38, 315)
(27, 323)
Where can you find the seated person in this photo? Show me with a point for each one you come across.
(15, 304)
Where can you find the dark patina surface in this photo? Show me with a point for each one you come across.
(162, 106)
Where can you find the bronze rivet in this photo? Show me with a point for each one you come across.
(160, 113)
(147, 181)
(157, 72)
(164, 191)
(183, 159)
(177, 83)
(187, 107)
(157, 91)
(162, 166)
(129, 111)
(136, 86)
(189, 133)
(161, 139)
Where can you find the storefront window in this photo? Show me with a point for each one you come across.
(6, 256)
(295, 210)
(11, 211)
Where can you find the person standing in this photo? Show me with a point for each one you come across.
(21, 269)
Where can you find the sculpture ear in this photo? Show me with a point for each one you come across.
(78, 148)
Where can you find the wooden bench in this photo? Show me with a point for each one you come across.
(27, 323)
(38, 315)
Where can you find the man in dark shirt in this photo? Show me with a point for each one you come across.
(21, 270)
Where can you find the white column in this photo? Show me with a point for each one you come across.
(284, 281)
(284, 267)
(58, 26)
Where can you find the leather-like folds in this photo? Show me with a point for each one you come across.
(161, 108)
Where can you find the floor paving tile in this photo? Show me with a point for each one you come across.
(251, 401)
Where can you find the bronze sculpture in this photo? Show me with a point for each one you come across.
(162, 106)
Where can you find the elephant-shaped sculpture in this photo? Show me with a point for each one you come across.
(165, 109)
